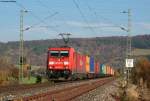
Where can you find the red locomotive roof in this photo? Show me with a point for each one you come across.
(60, 48)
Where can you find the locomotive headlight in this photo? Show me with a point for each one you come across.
(66, 63)
(51, 63)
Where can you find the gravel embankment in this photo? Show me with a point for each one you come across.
(34, 91)
(102, 93)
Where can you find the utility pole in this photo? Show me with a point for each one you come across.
(129, 43)
(129, 61)
(21, 49)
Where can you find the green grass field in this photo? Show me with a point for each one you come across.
(32, 80)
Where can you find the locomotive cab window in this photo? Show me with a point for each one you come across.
(54, 53)
(64, 53)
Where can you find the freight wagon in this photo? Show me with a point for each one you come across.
(67, 63)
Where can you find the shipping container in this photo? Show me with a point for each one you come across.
(91, 64)
(108, 70)
(97, 68)
(102, 69)
(76, 63)
(74, 69)
(79, 63)
(84, 63)
(113, 72)
(87, 64)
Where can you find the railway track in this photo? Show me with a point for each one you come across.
(6, 89)
(18, 88)
(67, 93)
(11, 92)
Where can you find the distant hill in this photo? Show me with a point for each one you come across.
(142, 41)
(108, 50)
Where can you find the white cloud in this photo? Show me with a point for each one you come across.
(112, 29)
(86, 25)
(101, 26)
(40, 29)
(81, 24)
(144, 25)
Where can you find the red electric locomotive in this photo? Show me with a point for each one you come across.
(59, 62)
(67, 63)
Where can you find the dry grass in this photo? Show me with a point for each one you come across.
(141, 52)
(8, 72)
(132, 93)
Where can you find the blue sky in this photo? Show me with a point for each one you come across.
(93, 18)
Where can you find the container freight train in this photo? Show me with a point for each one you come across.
(67, 63)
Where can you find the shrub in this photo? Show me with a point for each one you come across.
(38, 79)
(141, 70)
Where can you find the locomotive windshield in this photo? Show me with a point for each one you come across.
(54, 53)
(59, 53)
(64, 53)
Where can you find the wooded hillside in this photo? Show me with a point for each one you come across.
(110, 50)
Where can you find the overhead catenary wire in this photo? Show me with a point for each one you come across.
(109, 21)
(104, 18)
(46, 7)
(81, 13)
(83, 16)
(38, 18)
(95, 14)
(43, 20)
(51, 10)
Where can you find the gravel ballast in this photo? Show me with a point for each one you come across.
(102, 93)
